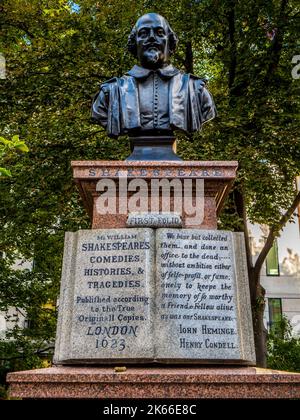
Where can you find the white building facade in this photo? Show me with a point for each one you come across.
(280, 274)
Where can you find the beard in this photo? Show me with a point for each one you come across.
(152, 55)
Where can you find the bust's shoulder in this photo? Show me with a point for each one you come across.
(107, 84)
(199, 80)
(114, 81)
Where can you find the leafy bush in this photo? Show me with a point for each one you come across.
(283, 349)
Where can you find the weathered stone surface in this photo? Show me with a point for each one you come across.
(203, 306)
(105, 300)
(70, 382)
(194, 308)
(154, 220)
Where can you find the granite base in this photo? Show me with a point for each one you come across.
(217, 176)
(159, 382)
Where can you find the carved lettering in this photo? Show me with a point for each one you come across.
(197, 293)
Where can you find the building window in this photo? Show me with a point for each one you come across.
(272, 261)
(28, 323)
(275, 314)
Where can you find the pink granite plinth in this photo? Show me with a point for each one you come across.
(218, 177)
(169, 382)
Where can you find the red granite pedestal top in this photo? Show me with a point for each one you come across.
(149, 382)
(218, 177)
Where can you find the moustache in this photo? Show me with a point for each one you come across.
(151, 45)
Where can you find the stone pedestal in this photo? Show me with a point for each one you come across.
(141, 295)
(162, 382)
(217, 177)
(137, 291)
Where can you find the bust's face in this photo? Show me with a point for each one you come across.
(152, 41)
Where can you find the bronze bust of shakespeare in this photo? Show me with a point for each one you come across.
(153, 98)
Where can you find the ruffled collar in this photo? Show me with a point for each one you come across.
(142, 73)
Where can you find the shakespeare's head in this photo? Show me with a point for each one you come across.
(152, 41)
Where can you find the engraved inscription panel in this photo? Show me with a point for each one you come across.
(196, 295)
(145, 295)
(111, 306)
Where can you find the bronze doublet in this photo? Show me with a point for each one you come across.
(160, 101)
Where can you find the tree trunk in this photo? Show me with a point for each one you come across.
(232, 40)
(189, 57)
(257, 293)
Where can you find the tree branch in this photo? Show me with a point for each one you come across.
(247, 238)
(41, 351)
(293, 16)
(21, 26)
(275, 50)
(94, 132)
(231, 26)
(189, 57)
(21, 355)
(12, 358)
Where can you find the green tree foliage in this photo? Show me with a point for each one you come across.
(7, 147)
(58, 51)
(283, 348)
